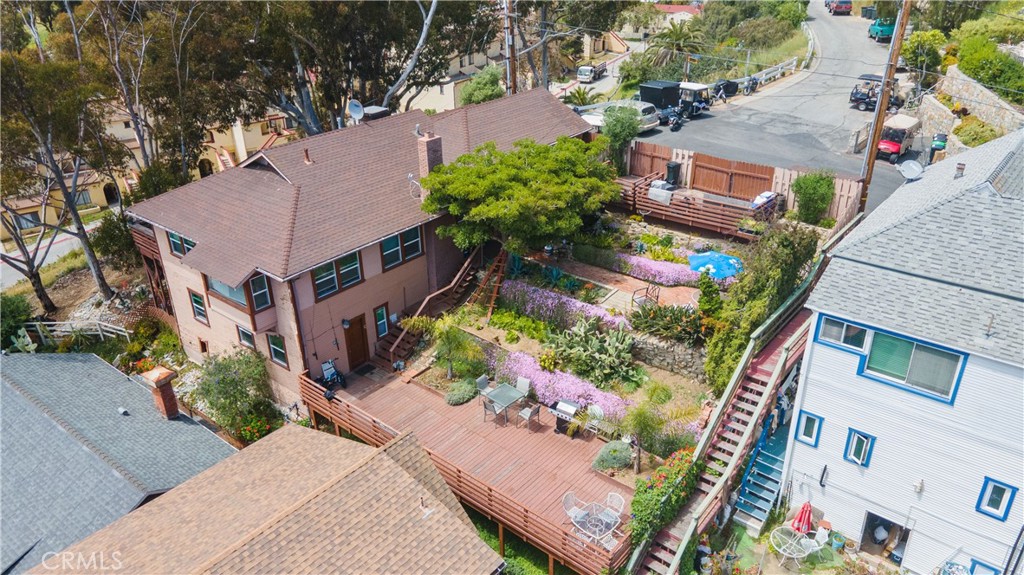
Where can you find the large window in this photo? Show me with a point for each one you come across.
(260, 289)
(27, 221)
(996, 499)
(198, 307)
(809, 428)
(400, 248)
(325, 278)
(917, 365)
(380, 320)
(83, 198)
(843, 333)
(348, 270)
(859, 446)
(179, 245)
(341, 273)
(235, 294)
(277, 351)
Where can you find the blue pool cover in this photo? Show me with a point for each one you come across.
(717, 264)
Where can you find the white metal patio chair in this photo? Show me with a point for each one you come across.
(573, 507)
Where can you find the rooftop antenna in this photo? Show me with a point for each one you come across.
(355, 109)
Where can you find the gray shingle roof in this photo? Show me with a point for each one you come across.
(72, 463)
(943, 257)
(283, 216)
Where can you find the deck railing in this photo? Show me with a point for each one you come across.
(426, 301)
(703, 211)
(48, 331)
(540, 532)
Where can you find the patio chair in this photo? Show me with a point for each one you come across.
(331, 375)
(609, 542)
(489, 407)
(614, 504)
(523, 385)
(573, 507)
(818, 543)
(482, 383)
(528, 413)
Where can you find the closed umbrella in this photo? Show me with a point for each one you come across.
(802, 521)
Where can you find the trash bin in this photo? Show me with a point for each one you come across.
(672, 173)
(868, 12)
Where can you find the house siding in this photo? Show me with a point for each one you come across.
(952, 448)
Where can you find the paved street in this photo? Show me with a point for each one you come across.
(803, 121)
(62, 245)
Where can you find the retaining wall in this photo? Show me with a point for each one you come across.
(669, 355)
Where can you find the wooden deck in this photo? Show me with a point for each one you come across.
(513, 475)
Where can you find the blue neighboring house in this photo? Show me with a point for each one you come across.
(82, 445)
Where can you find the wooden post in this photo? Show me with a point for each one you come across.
(312, 419)
(501, 539)
(551, 564)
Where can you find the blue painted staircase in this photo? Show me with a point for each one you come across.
(762, 480)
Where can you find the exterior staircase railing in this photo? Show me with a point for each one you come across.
(426, 301)
(756, 451)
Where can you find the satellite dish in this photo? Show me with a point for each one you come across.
(355, 109)
(911, 170)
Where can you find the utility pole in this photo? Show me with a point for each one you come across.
(887, 87)
(510, 52)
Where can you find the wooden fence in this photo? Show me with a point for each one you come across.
(845, 203)
(561, 543)
(49, 332)
(730, 178)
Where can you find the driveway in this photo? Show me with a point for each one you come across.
(805, 120)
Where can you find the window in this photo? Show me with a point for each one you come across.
(348, 269)
(400, 248)
(462, 61)
(325, 279)
(260, 292)
(980, 568)
(809, 428)
(996, 499)
(204, 346)
(858, 447)
(179, 245)
(198, 307)
(842, 333)
(920, 366)
(127, 125)
(27, 221)
(235, 294)
(391, 251)
(83, 198)
(380, 320)
(245, 337)
(470, 58)
(277, 353)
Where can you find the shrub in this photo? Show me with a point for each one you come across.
(259, 424)
(602, 258)
(764, 32)
(998, 30)
(602, 358)
(662, 254)
(710, 301)
(827, 223)
(814, 193)
(512, 336)
(461, 391)
(146, 329)
(677, 323)
(14, 311)
(974, 132)
(509, 320)
(614, 455)
(548, 361)
(980, 59)
(236, 387)
(665, 444)
(553, 308)
(792, 12)
(167, 343)
(621, 125)
(113, 240)
(658, 498)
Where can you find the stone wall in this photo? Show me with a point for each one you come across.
(981, 101)
(669, 355)
(936, 118)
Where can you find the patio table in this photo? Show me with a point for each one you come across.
(503, 397)
(789, 544)
(594, 522)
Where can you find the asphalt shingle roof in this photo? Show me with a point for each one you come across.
(283, 216)
(303, 501)
(72, 463)
(942, 257)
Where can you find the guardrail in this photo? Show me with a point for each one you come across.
(769, 74)
(806, 28)
(50, 331)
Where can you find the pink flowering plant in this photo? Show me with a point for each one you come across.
(551, 386)
(556, 309)
(659, 272)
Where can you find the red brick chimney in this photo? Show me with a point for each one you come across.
(429, 147)
(159, 379)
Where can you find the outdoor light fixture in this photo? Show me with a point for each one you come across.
(919, 486)
(346, 324)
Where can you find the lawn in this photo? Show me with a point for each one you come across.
(50, 273)
(523, 558)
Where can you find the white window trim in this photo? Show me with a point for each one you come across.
(357, 266)
(333, 276)
(252, 336)
(398, 248)
(406, 256)
(264, 290)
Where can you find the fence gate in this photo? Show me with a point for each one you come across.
(730, 178)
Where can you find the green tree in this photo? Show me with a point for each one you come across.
(710, 301)
(484, 87)
(236, 387)
(113, 240)
(642, 17)
(675, 41)
(529, 195)
(792, 12)
(621, 126)
(580, 96)
(921, 51)
(947, 16)
(644, 421)
(452, 344)
(814, 193)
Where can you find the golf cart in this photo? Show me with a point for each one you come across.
(865, 94)
(898, 133)
(693, 99)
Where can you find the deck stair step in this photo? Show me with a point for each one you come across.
(751, 510)
(730, 435)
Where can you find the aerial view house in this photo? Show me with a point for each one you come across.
(301, 501)
(82, 445)
(310, 252)
(908, 422)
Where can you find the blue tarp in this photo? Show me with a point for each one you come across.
(717, 264)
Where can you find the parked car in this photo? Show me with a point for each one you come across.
(898, 133)
(594, 115)
(841, 7)
(882, 29)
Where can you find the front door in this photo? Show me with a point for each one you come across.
(355, 342)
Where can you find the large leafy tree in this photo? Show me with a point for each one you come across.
(529, 195)
(621, 125)
(484, 87)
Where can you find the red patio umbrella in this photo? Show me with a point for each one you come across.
(802, 521)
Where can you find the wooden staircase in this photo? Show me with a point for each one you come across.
(487, 292)
(662, 551)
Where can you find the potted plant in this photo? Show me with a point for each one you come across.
(752, 226)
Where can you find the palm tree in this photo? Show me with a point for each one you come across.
(676, 40)
(581, 96)
(450, 341)
(644, 421)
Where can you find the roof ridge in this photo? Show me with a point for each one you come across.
(290, 229)
(77, 435)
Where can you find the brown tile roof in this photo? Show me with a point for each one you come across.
(283, 216)
(302, 501)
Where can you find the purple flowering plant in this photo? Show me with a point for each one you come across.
(559, 310)
(552, 386)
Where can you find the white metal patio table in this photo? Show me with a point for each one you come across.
(594, 522)
(503, 397)
(789, 543)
